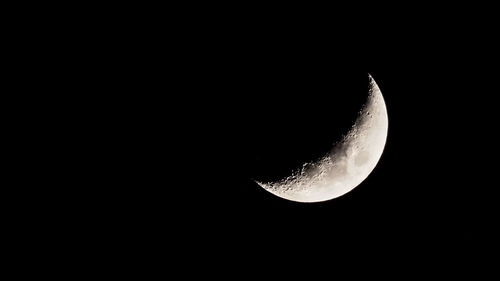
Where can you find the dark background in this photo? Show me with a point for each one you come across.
(174, 117)
(227, 104)
(233, 106)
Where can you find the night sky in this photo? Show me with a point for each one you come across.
(187, 128)
(249, 114)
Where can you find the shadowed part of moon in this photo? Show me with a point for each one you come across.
(347, 164)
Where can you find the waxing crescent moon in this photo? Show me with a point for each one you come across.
(347, 164)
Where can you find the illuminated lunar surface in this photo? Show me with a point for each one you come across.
(347, 164)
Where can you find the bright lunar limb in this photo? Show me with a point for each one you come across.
(348, 163)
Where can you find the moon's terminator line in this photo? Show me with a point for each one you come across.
(347, 164)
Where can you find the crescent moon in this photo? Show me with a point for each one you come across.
(347, 164)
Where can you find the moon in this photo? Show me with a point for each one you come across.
(347, 164)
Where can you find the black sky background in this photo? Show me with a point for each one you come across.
(182, 114)
(238, 106)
